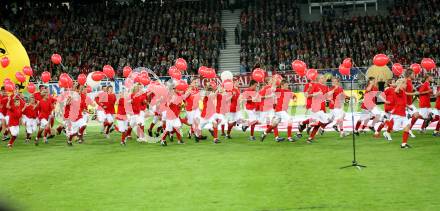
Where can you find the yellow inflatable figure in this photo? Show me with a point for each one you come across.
(12, 48)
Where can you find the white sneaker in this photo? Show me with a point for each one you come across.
(387, 136)
(411, 134)
(107, 136)
(342, 134)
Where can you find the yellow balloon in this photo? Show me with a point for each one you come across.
(12, 48)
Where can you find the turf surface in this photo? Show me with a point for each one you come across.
(234, 175)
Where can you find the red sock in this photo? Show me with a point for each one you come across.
(275, 131)
(364, 126)
(179, 137)
(164, 125)
(184, 121)
(436, 118)
(109, 125)
(380, 127)
(314, 131)
(142, 128)
(123, 135)
(81, 131)
(305, 122)
(230, 126)
(289, 131)
(390, 126)
(215, 132)
(405, 137)
(437, 128)
(413, 121)
(151, 126)
(191, 129)
(253, 129)
(223, 129)
(71, 137)
(129, 131)
(45, 133)
(164, 135)
(39, 133)
(11, 142)
(358, 124)
(269, 128)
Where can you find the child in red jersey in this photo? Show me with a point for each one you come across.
(250, 105)
(425, 93)
(121, 117)
(399, 112)
(3, 112)
(208, 117)
(436, 112)
(234, 114)
(336, 105)
(172, 114)
(14, 112)
(30, 114)
(390, 96)
(45, 107)
(109, 110)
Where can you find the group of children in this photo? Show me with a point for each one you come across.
(215, 108)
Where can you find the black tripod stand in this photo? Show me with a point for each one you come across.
(354, 163)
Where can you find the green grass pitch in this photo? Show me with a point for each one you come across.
(234, 175)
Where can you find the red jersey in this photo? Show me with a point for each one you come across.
(222, 103)
(248, 94)
(308, 99)
(318, 101)
(136, 102)
(100, 100)
(75, 112)
(121, 115)
(37, 96)
(14, 114)
(437, 101)
(175, 106)
(337, 99)
(3, 105)
(208, 106)
(283, 99)
(110, 104)
(45, 107)
(409, 88)
(390, 96)
(400, 106)
(234, 100)
(370, 98)
(192, 101)
(30, 111)
(267, 101)
(425, 99)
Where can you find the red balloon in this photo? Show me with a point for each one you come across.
(228, 85)
(258, 75)
(63, 81)
(347, 63)
(312, 74)
(9, 87)
(98, 75)
(56, 58)
(344, 70)
(181, 64)
(108, 71)
(89, 89)
(144, 80)
(299, 66)
(5, 62)
(28, 71)
(126, 71)
(31, 87)
(82, 78)
(45, 76)
(397, 69)
(210, 73)
(20, 77)
(428, 63)
(181, 85)
(202, 69)
(381, 60)
(174, 73)
(416, 68)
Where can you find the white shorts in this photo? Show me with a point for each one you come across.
(411, 109)
(265, 116)
(320, 116)
(14, 130)
(122, 125)
(137, 119)
(30, 124)
(2, 117)
(368, 114)
(173, 123)
(400, 122)
(100, 115)
(208, 122)
(221, 119)
(424, 112)
(233, 116)
(85, 116)
(337, 113)
(7, 119)
(43, 123)
(192, 115)
(109, 118)
(251, 115)
(283, 116)
(77, 125)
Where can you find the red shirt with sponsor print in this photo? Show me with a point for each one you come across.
(390, 96)
(400, 106)
(283, 99)
(45, 107)
(425, 99)
(110, 104)
(234, 100)
(30, 111)
(338, 98)
(136, 102)
(308, 99)
(248, 94)
(14, 113)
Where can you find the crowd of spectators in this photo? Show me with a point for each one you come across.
(88, 36)
(273, 35)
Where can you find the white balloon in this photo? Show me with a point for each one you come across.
(92, 83)
(226, 75)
